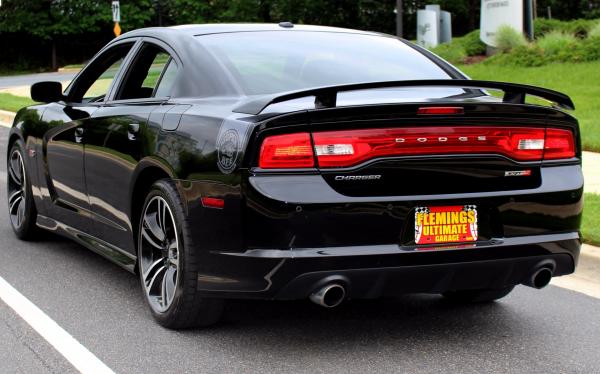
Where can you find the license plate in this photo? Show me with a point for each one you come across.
(446, 224)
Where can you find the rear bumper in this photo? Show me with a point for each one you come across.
(386, 270)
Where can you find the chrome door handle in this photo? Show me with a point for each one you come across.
(79, 131)
(132, 130)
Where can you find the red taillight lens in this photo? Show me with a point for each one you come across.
(351, 147)
(559, 144)
(345, 148)
(287, 151)
(440, 110)
(212, 202)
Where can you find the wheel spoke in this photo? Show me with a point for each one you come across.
(150, 222)
(15, 169)
(14, 200)
(168, 286)
(156, 278)
(152, 269)
(149, 238)
(20, 213)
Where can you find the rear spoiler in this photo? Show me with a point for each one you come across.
(326, 97)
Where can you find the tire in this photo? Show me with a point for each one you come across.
(477, 296)
(168, 263)
(21, 206)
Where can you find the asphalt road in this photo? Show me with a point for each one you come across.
(29, 79)
(531, 331)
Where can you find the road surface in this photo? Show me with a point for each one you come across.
(29, 79)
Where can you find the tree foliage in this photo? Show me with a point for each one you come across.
(30, 27)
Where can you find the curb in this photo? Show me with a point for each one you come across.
(590, 252)
(7, 118)
(69, 70)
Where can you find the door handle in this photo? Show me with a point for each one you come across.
(132, 130)
(79, 131)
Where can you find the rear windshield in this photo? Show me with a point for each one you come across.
(277, 61)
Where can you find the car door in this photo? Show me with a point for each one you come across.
(63, 143)
(118, 136)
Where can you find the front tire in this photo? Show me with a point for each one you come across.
(477, 296)
(168, 263)
(21, 207)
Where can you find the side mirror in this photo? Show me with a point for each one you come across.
(47, 92)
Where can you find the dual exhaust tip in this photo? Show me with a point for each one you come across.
(332, 294)
(329, 296)
(540, 278)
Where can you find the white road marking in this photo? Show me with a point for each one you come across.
(82, 359)
(4, 124)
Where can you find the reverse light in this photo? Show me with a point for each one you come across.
(287, 151)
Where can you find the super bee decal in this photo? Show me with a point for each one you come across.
(228, 148)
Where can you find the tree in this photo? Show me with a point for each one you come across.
(49, 20)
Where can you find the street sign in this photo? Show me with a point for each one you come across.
(116, 11)
(496, 13)
(427, 28)
(117, 29)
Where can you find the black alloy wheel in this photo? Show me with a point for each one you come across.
(159, 260)
(21, 207)
(168, 262)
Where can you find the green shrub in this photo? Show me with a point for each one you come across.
(579, 27)
(451, 52)
(507, 39)
(521, 56)
(590, 48)
(595, 31)
(472, 44)
(555, 43)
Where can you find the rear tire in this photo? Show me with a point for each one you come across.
(168, 263)
(21, 207)
(477, 296)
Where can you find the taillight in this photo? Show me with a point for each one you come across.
(440, 110)
(287, 151)
(559, 144)
(352, 147)
(345, 148)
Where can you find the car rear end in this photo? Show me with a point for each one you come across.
(438, 191)
(392, 199)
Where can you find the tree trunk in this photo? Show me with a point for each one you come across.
(399, 19)
(54, 61)
(473, 11)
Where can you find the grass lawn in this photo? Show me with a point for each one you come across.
(13, 103)
(581, 81)
(591, 219)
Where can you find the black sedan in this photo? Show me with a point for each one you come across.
(289, 162)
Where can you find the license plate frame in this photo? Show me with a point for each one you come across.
(446, 224)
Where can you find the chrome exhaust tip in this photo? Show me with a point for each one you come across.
(329, 296)
(540, 279)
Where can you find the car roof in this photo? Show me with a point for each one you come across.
(218, 28)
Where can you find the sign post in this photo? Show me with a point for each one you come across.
(116, 13)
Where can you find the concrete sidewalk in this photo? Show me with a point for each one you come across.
(591, 172)
(586, 278)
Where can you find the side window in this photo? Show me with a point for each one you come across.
(93, 84)
(152, 74)
(167, 81)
